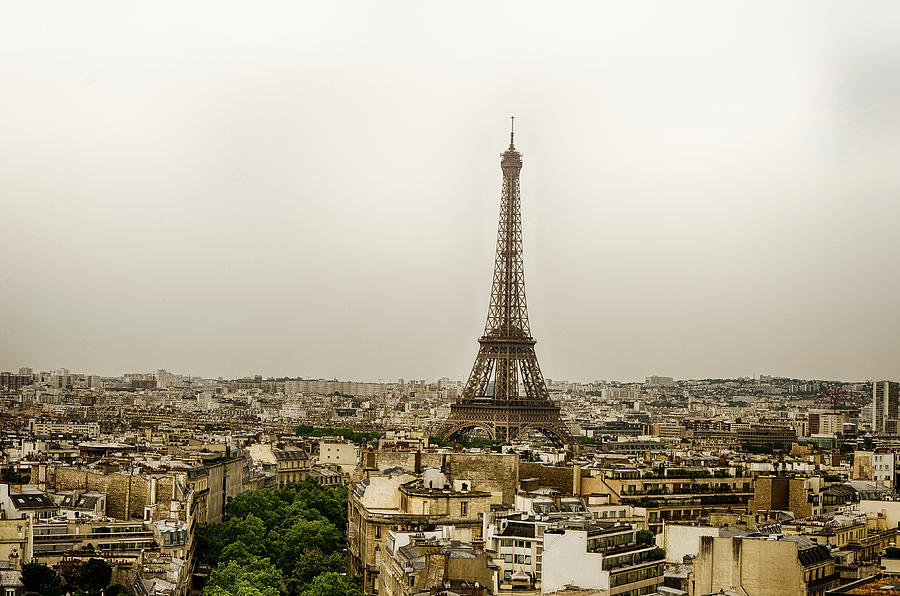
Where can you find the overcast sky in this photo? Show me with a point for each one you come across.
(311, 189)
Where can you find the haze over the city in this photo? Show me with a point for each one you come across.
(709, 189)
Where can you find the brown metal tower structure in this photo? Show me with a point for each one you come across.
(506, 394)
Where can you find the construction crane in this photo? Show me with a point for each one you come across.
(834, 396)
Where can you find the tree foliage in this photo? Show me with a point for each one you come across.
(312, 562)
(238, 578)
(90, 578)
(354, 436)
(40, 579)
(94, 575)
(330, 584)
(13, 476)
(278, 543)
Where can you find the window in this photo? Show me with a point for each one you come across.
(463, 507)
(377, 532)
(506, 542)
(507, 558)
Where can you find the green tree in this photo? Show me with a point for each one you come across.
(312, 562)
(249, 530)
(528, 455)
(39, 578)
(330, 502)
(213, 539)
(296, 533)
(210, 542)
(262, 503)
(331, 584)
(94, 575)
(236, 551)
(241, 579)
(304, 535)
(13, 476)
(645, 537)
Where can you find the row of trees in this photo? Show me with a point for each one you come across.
(354, 436)
(13, 476)
(89, 578)
(287, 542)
(468, 442)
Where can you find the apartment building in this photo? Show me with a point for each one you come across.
(396, 499)
(885, 407)
(45, 428)
(425, 562)
(673, 495)
(790, 566)
(606, 559)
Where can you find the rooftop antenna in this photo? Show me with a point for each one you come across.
(512, 129)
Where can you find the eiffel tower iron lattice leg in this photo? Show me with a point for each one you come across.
(506, 394)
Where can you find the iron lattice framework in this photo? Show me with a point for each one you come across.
(506, 394)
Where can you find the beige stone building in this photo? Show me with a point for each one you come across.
(340, 454)
(210, 488)
(401, 500)
(293, 465)
(862, 466)
(160, 552)
(801, 496)
(792, 566)
(678, 495)
(416, 563)
(199, 493)
(15, 541)
(497, 474)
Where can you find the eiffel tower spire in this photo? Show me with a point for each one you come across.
(506, 394)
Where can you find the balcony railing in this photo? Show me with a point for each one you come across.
(642, 554)
(93, 536)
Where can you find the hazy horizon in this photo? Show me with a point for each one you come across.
(709, 190)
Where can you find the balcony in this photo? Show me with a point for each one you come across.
(641, 555)
(47, 538)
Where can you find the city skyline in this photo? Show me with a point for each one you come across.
(65, 371)
(313, 191)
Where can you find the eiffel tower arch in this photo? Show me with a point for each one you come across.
(505, 394)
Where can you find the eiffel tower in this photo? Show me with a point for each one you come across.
(506, 394)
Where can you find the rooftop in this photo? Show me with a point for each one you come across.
(30, 500)
(878, 584)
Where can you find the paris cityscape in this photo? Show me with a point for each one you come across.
(267, 333)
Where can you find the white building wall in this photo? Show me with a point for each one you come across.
(680, 540)
(566, 562)
(339, 454)
(890, 509)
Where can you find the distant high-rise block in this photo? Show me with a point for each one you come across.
(885, 402)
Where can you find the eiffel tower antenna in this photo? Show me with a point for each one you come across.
(506, 394)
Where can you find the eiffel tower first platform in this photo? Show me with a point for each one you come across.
(506, 394)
